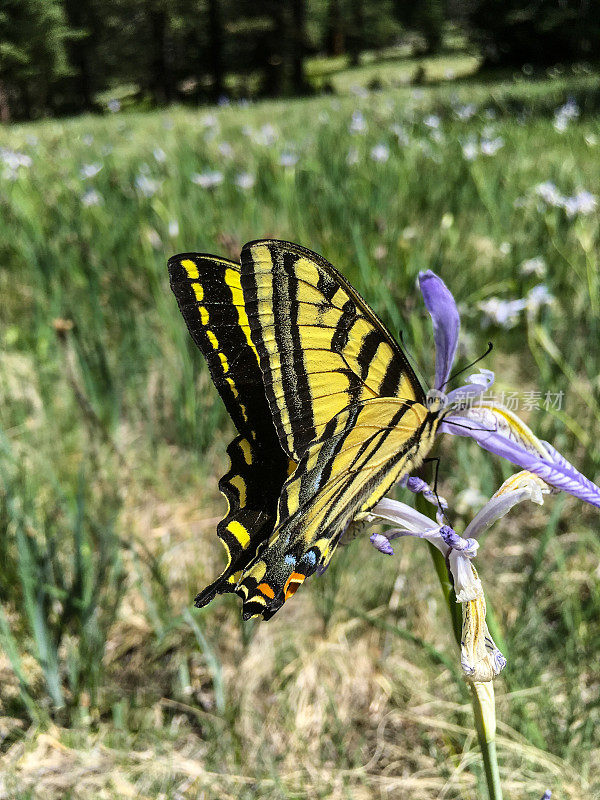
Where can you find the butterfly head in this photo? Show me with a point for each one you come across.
(436, 401)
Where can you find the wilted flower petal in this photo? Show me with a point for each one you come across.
(479, 657)
(519, 487)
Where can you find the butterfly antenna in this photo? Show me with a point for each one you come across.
(467, 428)
(415, 363)
(435, 486)
(490, 347)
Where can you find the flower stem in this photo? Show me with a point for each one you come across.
(484, 710)
(482, 694)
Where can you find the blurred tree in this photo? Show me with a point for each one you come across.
(82, 84)
(544, 32)
(33, 58)
(427, 17)
(298, 83)
(215, 30)
(334, 40)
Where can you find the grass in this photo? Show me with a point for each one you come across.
(113, 440)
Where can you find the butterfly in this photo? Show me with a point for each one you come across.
(328, 410)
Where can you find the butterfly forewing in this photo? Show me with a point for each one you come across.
(209, 295)
(320, 347)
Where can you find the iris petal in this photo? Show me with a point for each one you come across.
(446, 323)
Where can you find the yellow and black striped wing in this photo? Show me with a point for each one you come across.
(360, 454)
(209, 295)
(321, 348)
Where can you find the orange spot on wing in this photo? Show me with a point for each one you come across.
(293, 583)
(266, 590)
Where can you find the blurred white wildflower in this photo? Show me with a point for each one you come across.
(153, 237)
(92, 198)
(207, 179)
(538, 297)
(90, 170)
(113, 105)
(266, 136)
(173, 228)
(447, 221)
(505, 248)
(502, 312)
(14, 161)
(534, 266)
(549, 193)
(380, 251)
(583, 202)
(564, 115)
(106, 149)
(209, 121)
(359, 91)
(468, 499)
(432, 121)
(466, 112)
(88, 139)
(358, 123)
(400, 133)
(146, 186)
(490, 113)
(223, 100)
(226, 150)
(288, 159)
(380, 153)
(245, 180)
(470, 150)
(159, 155)
(352, 157)
(489, 147)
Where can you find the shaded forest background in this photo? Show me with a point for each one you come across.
(61, 57)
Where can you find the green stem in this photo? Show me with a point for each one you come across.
(482, 697)
(482, 694)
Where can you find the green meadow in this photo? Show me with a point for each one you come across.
(112, 440)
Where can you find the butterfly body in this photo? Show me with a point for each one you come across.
(329, 412)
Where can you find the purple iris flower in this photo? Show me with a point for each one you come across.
(493, 427)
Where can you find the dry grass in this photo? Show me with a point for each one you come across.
(313, 708)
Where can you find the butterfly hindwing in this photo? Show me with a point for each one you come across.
(321, 348)
(362, 452)
(209, 295)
